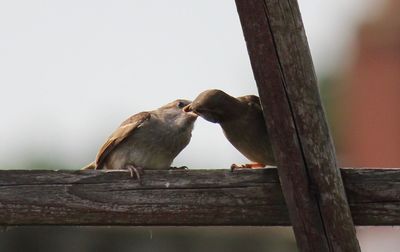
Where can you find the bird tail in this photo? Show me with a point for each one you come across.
(91, 166)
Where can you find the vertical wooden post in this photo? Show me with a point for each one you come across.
(287, 85)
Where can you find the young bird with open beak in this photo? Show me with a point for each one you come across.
(242, 122)
(147, 140)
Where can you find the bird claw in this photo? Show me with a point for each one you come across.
(132, 170)
(247, 166)
(138, 171)
(235, 167)
(179, 168)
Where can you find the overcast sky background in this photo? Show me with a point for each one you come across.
(71, 71)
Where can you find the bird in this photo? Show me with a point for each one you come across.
(242, 122)
(147, 140)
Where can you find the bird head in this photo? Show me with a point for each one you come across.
(175, 113)
(214, 106)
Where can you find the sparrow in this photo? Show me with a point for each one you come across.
(147, 140)
(242, 122)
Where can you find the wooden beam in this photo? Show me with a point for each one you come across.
(284, 73)
(190, 198)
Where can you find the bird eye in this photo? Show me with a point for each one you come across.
(181, 104)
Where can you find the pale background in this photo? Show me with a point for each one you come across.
(71, 71)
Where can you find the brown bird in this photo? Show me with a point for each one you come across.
(242, 122)
(147, 140)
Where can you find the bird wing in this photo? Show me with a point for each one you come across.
(251, 100)
(120, 134)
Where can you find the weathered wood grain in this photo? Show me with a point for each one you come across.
(192, 198)
(284, 73)
(163, 198)
(373, 195)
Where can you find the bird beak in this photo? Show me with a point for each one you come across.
(188, 109)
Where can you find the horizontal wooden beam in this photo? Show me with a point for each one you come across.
(192, 198)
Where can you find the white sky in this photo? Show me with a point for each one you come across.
(71, 71)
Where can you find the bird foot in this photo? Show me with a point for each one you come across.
(178, 168)
(138, 171)
(247, 166)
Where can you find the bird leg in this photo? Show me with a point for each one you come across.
(247, 166)
(178, 168)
